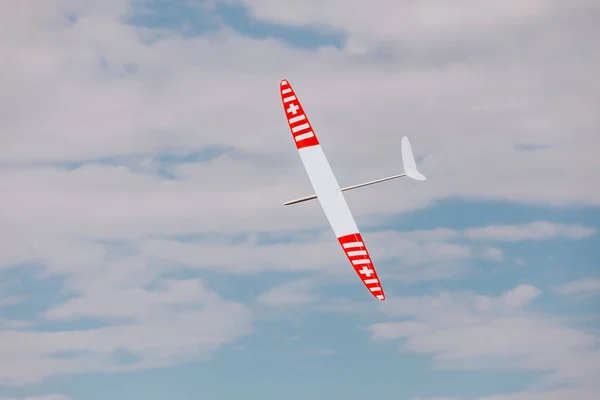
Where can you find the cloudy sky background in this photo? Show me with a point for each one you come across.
(144, 158)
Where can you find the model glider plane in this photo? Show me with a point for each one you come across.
(328, 191)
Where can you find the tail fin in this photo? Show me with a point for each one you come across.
(408, 160)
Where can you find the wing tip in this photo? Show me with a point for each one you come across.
(358, 255)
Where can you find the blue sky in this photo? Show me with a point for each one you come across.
(146, 253)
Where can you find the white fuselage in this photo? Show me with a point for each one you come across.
(328, 191)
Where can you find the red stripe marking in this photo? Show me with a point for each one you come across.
(366, 272)
(292, 109)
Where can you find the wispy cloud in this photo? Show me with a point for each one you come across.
(44, 397)
(139, 252)
(556, 394)
(295, 293)
(180, 322)
(580, 287)
(468, 331)
(11, 300)
(539, 230)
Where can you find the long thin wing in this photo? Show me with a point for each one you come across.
(328, 191)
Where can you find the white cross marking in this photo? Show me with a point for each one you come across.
(366, 271)
(293, 109)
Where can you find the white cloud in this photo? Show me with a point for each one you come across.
(465, 113)
(382, 21)
(154, 109)
(44, 397)
(556, 394)
(179, 322)
(537, 230)
(134, 302)
(584, 287)
(296, 293)
(521, 295)
(227, 254)
(494, 253)
(130, 292)
(11, 300)
(487, 332)
(322, 353)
